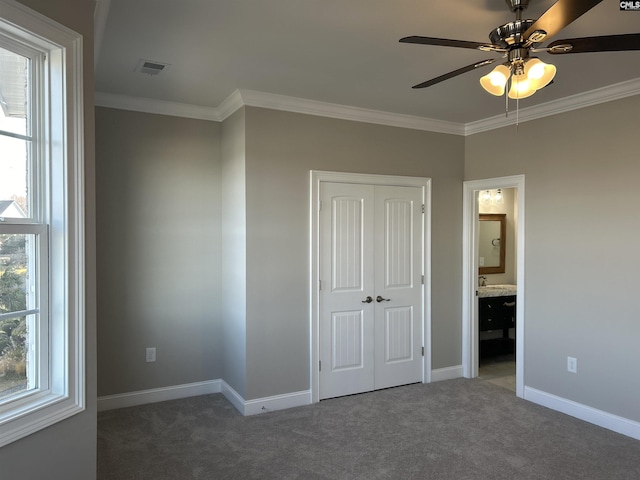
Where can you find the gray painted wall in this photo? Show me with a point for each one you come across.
(158, 211)
(68, 449)
(281, 149)
(234, 251)
(264, 164)
(582, 258)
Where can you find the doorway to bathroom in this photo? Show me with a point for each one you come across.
(493, 281)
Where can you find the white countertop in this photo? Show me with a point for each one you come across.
(496, 290)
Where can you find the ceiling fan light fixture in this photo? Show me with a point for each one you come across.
(539, 73)
(520, 87)
(495, 81)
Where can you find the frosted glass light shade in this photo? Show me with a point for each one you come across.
(539, 73)
(495, 81)
(520, 87)
(498, 199)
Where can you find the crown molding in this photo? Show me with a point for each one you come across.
(252, 98)
(230, 105)
(159, 107)
(344, 112)
(574, 102)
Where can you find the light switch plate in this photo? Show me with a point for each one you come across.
(572, 364)
(151, 354)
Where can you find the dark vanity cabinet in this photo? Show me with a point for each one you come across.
(497, 314)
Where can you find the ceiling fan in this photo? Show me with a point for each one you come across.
(517, 40)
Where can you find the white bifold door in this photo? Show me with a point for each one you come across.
(371, 305)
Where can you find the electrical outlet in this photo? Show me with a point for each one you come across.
(151, 354)
(572, 365)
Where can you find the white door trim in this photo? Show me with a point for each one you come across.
(470, 274)
(316, 178)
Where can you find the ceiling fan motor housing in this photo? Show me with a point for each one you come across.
(510, 34)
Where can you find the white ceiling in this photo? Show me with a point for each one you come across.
(343, 52)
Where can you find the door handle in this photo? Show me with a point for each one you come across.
(380, 299)
(367, 300)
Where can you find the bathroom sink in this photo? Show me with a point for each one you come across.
(496, 290)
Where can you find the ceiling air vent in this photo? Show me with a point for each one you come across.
(151, 68)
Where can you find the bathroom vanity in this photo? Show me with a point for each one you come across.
(497, 312)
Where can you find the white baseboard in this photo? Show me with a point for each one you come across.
(277, 402)
(603, 419)
(131, 399)
(234, 397)
(245, 407)
(447, 373)
(265, 404)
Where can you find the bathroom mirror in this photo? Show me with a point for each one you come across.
(491, 242)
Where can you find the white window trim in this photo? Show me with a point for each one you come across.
(65, 150)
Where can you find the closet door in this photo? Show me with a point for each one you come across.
(398, 286)
(371, 295)
(347, 289)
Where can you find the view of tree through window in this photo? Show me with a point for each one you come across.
(13, 298)
(16, 267)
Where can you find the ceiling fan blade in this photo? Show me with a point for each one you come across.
(455, 73)
(606, 43)
(445, 42)
(561, 14)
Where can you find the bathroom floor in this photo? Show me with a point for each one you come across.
(499, 370)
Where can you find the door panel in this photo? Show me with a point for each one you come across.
(398, 255)
(347, 337)
(346, 239)
(346, 260)
(370, 246)
(398, 268)
(398, 323)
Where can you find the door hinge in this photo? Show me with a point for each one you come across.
(319, 365)
(423, 351)
(320, 205)
(319, 284)
(423, 208)
(422, 280)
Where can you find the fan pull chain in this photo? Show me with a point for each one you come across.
(506, 99)
(506, 104)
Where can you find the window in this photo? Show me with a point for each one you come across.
(41, 223)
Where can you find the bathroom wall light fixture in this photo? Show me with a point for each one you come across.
(485, 198)
(498, 199)
(492, 197)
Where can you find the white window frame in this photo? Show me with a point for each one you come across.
(60, 146)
